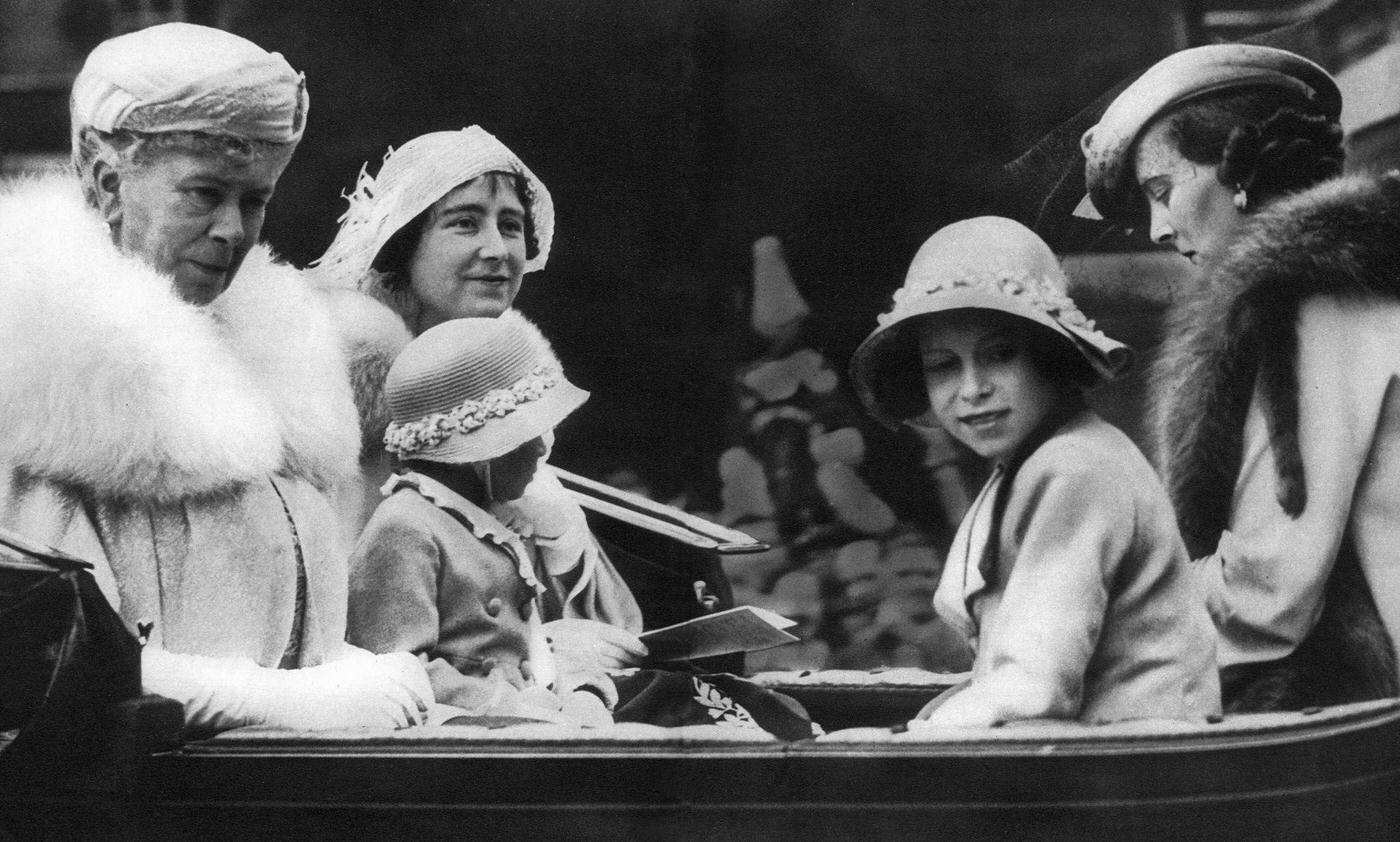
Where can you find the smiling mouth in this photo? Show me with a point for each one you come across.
(979, 420)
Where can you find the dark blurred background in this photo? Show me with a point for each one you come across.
(674, 133)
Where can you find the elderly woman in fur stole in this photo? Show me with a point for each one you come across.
(1277, 416)
(174, 402)
(447, 229)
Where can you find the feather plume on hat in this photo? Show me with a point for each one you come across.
(410, 180)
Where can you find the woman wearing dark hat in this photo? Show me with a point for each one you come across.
(1067, 574)
(1276, 419)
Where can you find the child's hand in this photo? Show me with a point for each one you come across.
(586, 709)
(954, 709)
(598, 684)
(937, 702)
(590, 646)
(508, 673)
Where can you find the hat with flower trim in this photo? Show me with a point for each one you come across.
(986, 263)
(469, 390)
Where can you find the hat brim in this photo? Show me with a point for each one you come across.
(499, 436)
(882, 366)
(1180, 78)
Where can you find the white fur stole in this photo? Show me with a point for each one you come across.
(109, 381)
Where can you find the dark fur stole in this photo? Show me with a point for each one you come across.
(1340, 238)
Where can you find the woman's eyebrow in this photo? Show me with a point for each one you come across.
(467, 207)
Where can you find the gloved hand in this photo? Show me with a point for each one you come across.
(360, 690)
(597, 684)
(587, 709)
(578, 708)
(590, 646)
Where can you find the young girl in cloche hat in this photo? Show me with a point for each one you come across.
(434, 573)
(1067, 574)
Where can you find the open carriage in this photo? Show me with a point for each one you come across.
(1303, 775)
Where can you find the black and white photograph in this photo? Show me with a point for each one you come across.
(699, 419)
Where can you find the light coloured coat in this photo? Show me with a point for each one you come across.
(1278, 424)
(1090, 611)
(182, 450)
(436, 575)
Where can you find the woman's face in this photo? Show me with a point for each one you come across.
(512, 472)
(470, 257)
(1189, 206)
(191, 216)
(982, 385)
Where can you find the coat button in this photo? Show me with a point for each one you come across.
(494, 606)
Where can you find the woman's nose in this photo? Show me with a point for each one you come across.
(227, 225)
(492, 246)
(1160, 228)
(974, 384)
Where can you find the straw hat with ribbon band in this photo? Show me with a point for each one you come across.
(183, 77)
(986, 263)
(411, 179)
(470, 390)
(1177, 79)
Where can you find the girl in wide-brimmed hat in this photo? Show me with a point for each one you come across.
(434, 572)
(1067, 574)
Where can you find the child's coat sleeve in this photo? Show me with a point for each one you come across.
(1062, 535)
(393, 608)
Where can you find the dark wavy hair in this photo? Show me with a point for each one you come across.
(1265, 141)
(393, 259)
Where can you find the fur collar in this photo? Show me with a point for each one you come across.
(110, 382)
(1340, 238)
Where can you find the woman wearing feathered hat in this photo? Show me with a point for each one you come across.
(1276, 414)
(447, 229)
(1067, 574)
(175, 406)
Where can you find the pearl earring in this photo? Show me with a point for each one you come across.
(1241, 199)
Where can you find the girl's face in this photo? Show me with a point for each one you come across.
(1189, 206)
(512, 472)
(470, 258)
(981, 383)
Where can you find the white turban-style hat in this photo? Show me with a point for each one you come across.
(179, 77)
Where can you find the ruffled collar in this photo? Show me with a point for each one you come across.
(482, 523)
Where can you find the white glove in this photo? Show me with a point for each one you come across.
(587, 709)
(591, 646)
(359, 691)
